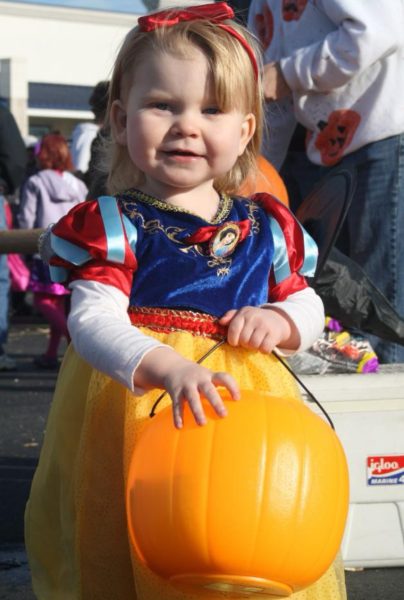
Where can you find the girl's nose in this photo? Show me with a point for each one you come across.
(185, 124)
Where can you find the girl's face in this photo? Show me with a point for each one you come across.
(172, 127)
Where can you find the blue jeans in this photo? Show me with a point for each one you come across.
(4, 283)
(374, 228)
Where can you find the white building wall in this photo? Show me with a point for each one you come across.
(46, 44)
(71, 46)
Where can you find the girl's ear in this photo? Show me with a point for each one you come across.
(118, 122)
(247, 131)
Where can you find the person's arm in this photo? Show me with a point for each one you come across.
(290, 325)
(102, 334)
(306, 310)
(274, 84)
(27, 213)
(366, 32)
(293, 317)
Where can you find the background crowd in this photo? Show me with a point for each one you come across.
(40, 181)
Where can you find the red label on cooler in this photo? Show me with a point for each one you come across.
(385, 470)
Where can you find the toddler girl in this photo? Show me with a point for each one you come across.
(151, 293)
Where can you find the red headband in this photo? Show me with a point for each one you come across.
(215, 12)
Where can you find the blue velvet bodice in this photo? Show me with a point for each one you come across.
(174, 272)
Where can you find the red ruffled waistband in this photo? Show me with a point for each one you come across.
(165, 320)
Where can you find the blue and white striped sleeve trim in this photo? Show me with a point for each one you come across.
(115, 229)
(281, 264)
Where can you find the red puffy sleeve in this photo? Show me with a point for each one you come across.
(295, 252)
(94, 241)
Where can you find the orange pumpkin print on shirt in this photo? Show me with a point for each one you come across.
(336, 134)
(292, 10)
(264, 25)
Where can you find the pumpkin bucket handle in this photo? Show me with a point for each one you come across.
(306, 389)
(287, 367)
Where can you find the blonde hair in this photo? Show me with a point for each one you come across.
(234, 82)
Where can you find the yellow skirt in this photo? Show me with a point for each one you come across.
(76, 533)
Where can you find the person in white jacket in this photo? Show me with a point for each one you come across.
(336, 68)
(84, 134)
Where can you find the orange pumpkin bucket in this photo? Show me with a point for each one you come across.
(254, 503)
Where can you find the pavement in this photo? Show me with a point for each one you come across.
(25, 397)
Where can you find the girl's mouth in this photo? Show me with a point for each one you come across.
(181, 153)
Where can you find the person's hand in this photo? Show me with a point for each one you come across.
(185, 381)
(274, 83)
(260, 328)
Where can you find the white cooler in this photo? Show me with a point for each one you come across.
(368, 414)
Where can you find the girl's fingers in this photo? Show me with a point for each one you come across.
(213, 397)
(227, 317)
(178, 409)
(206, 388)
(267, 344)
(194, 401)
(228, 382)
(235, 329)
(253, 339)
(250, 336)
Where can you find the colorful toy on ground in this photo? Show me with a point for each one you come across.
(344, 351)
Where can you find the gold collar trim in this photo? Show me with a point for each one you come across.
(224, 208)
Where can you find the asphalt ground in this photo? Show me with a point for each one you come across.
(25, 397)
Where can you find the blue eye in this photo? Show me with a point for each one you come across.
(212, 110)
(161, 105)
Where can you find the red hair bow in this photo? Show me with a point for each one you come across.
(215, 12)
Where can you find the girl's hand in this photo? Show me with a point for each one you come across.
(185, 381)
(260, 328)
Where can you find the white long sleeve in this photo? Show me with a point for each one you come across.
(102, 333)
(104, 336)
(306, 310)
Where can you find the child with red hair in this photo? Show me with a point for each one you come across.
(45, 198)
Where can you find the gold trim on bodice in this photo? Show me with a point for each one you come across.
(224, 208)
